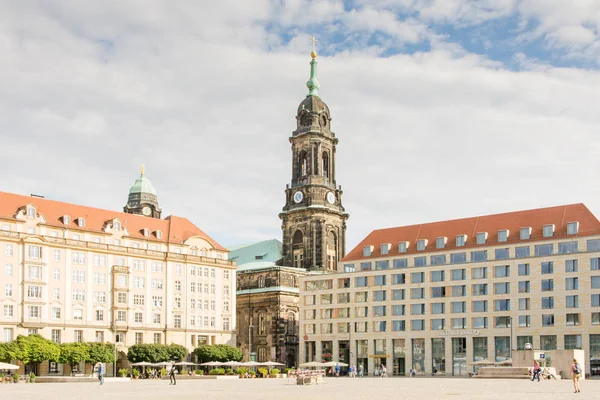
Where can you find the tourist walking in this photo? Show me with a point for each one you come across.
(576, 374)
(536, 371)
(360, 370)
(172, 379)
(337, 370)
(101, 373)
(353, 371)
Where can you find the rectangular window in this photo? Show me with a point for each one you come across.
(479, 306)
(381, 265)
(572, 228)
(571, 266)
(503, 235)
(437, 292)
(398, 279)
(401, 263)
(522, 341)
(502, 322)
(525, 233)
(417, 293)
(548, 342)
(360, 281)
(524, 304)
(547, 285)
(595, 282)
(524, 321)
(458, 258)
(78, 276)
(547, 267)
(139, 338)
(156, 318)
(78, 336)
(402, 247)
(137, 317)
(421, 244)
(437, 276)
(501, 271)
(547, 303)
(122, 298)
(348, 267)
(572, 301)
(438, 324)
(384, 248)
(418, 325)
(398, 309)
(594, 264)
(480, 273)
(379, 295)
(461, 240)
(367, 251)
(379, 311)
(480, 323)
(379, 280)
(9, 310)
(573, 283)
(398, 294)
(438, 260)
(481, 237)
(420, 261)
(502, 254)
(572, 319)
(8, 290)
(596, 318)
(544, 249)
(177, 321)
(78, 314)
(99, 315)
(459, 291)
(8, 270)
(459, 323)
(479, 289)
(522, 252)
(479, 256)
(55, 336)
(567, 247)
(502, 288)
(398, 325)
(438, 308)
(459, 274)
(122, 316)
(573, 342)
(502, 305)
(417, 277)
(524, 287)
(548, 230)
(56, 294)
(440, 242)
(417, 309)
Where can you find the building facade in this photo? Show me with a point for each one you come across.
(74, 273)
(313, 220)
(439, 296)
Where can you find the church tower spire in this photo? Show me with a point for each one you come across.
(313, 219)
(142, 197)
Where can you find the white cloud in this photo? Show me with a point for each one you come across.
(88, 95)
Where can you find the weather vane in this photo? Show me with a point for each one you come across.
(314, 50)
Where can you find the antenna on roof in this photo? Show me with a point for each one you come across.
(38, 196)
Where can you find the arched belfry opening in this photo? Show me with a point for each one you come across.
(302, 164)
(298, 249)
(331, 251)
(325, 167)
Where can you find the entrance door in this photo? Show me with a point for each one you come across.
(459, 356)
(399, 366)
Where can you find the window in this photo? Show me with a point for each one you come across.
(99, 278)
(481, 238)
(458, 258)
(459, 291)
(78, 257)
(78, 295)
(379, 311)
(524, 304)
(398, 279)
(572, 228)
(384, 248)
(81, 222)
(9, 250)
(502, 322)
(595, 282)
(548, 230)
(421, 244)
(547, 267)
(479, 306)
(522, 252)
(501, 271)
(78, 276)
(438, 324)
(158, 284)
(438, 260)
(544, 249)
(139, 338)
(360, 281)
(78, 314)
(572, 301)
(418, 324)
(367, 251)
(479, 289)
(480, 323)
(365, 266)
(502, 254)
(379, 295)
(99, 315)
(420, 261)
(547, 285)
(478, 256)
(572, 319)
(178, 286)
(461, 240)
(437, 276)
(567, 247)
(35, 272)
(547, 303)
(122, 298)
(503, 235)
(397, 294)
(398, 309)
(100, 297)
(398, 325)
(459, 274)
(594, 264)
(417, 277)
(524, 286)
(8, 310)
(8, 270)
(156, 338)
(121, 316)
(56, 255)
(417, 293)
(595, 318)
(502, 305)
(417, 309)
(402, 247)
(139, 282)
(156, 318)
(137, 317)
(573, 283)
(571, 266)
(56, 274)
(548, 342)
(78, 336)
(440, 242)
(8, 291)
(480, 273)
(502, 288)
(525, 233)
(55, 336)
(379, 280)
(459, 323)
(56, 294)
(381, 265)
(401, 263)
(524, 321)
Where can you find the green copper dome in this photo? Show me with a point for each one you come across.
(142, 185)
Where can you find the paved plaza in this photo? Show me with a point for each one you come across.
(342, 388)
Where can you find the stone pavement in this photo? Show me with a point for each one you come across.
(429, 388)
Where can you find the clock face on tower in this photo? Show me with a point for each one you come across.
(330, 197)
(146, 211)
(298, 196)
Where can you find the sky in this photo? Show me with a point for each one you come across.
(443, 108)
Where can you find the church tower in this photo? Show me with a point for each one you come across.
(142, 198)
(313, 219)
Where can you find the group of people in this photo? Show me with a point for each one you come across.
(353, 372)
(544, 373)
(153, 374)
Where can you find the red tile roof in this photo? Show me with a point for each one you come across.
(513, 221)
(174, 229)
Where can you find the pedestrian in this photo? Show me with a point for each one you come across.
(383, 371)
(353, 371)
(101, 373)
(576, 372)
(411, 372)
(536, 371)
(172, 372)
(337, 370)
(360, 370)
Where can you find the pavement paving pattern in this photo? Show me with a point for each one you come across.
(429, 388)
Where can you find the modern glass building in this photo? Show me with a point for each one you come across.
(439, 296)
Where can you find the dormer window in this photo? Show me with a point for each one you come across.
(117, 226)
(194, 252)
(572, 228)
(158, 234)
(440, 242)
(548, 230)
(461, 240)
(31, 212)
(525, 233)
(503, 235)
(402, 247)
(66, 220)
(385, 248)
(421, 244)
(367, 250)
(81, 222)
(146, 232)
(482, 237)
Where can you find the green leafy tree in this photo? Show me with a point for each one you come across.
(73, 353)
(34, 349)
(217, 352)
(150, 352)
(8, 351)
(100, 352)
(177, 352)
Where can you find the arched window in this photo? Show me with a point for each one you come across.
(302, 164)
(261, 281)
(262, 354)
(262, 324)
(292, 281)
(325, 162)
(331, 251)
(298, 249)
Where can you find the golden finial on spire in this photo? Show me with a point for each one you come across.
(143, 170)
(314, 50)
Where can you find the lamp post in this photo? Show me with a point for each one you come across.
(511, 336)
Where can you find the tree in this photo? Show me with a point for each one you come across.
(100, 352)
(73, 353)
(217, 352)
(150, 352)
(34, 349)
(8, 351)
(177, 352)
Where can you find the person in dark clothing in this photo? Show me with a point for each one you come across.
(173, 380)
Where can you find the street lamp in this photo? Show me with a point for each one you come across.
(510, 319)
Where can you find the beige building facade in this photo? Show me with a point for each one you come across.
(436, 297)
(79, 274)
